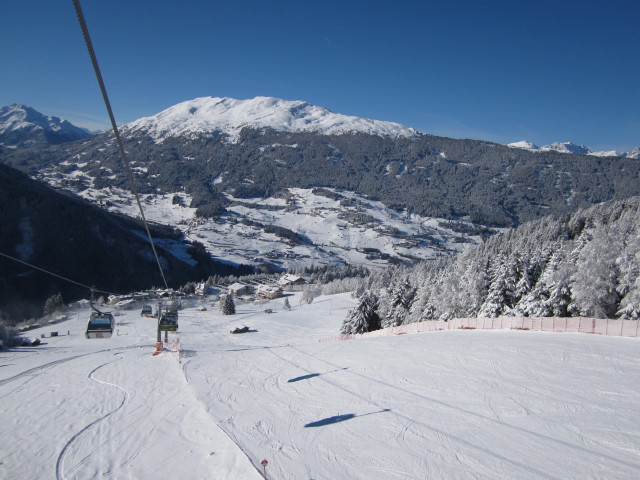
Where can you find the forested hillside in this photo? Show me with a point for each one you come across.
(583, 264)
(76, 240)
(484, 182)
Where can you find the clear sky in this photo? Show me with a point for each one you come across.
(502, 71)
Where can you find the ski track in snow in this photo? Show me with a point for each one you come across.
(34, 372)
(468, 416)
(406, 417)
(60, 462)
(437, 405)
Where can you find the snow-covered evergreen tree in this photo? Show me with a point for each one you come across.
(397, 303)
(628, 288)
(309, 293)
(500, 295)
(227, 305)
(53, 303)
(548, 297)
(363, 318)
(595, 276)
(428, 277)
(585, 263)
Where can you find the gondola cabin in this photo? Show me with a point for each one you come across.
(168, 323)
(147, 311)
(100, 325)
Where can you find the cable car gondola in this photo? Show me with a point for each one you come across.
(100, 325)
(147, 311)
(168, 322)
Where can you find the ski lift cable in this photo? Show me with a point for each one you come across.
(93, 289)
(125, 160)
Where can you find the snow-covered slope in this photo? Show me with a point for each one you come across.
(23, 126)
(334, 231)
(570, 147)
(459, 404)
(207, 115)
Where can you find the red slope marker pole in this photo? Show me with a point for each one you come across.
(264, 468)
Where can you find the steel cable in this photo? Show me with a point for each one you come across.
(96, 68)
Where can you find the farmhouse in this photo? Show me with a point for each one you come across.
(238, 289)
(290, 279)
(269, 291)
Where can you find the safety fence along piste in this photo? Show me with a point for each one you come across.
(598, 326)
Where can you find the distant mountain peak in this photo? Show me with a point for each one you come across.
(207, 115)
(570, 147)
(524, 144)
(22, 126)
(634, 153)
(567, 147)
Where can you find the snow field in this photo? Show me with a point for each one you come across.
(454, 404)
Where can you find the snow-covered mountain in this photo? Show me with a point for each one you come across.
(634, 153)
(525, 145)
(567, 147)
(570, 147)
(22, 126)
(209, 115)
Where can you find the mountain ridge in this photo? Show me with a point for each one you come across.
(482, 182)
(570, 147)
(23, 126)
(214, 115)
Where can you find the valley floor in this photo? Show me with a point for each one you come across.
(441, 405)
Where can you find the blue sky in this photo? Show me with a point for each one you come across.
(502, 71)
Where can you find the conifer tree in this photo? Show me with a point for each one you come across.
(227, 305)
(595, 277)
(53, 303)
(363, 318)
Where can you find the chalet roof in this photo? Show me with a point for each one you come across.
(269, 288)
(290, 278)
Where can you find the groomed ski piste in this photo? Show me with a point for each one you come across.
(455, 404)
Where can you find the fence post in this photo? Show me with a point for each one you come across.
(621, 326)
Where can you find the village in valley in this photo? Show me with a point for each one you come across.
(247, 291)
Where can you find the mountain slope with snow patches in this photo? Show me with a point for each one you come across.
(209, 115)
(332, 228)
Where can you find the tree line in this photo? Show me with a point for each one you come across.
(582, 264)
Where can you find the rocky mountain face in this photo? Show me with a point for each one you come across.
(22, 126)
